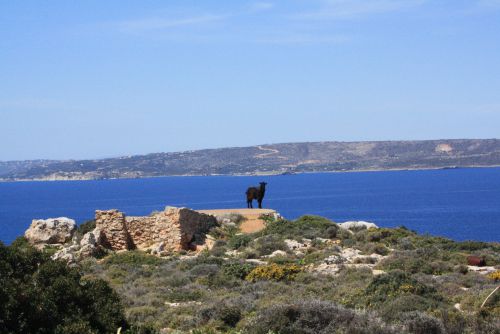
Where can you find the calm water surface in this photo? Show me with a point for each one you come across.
(460, 204)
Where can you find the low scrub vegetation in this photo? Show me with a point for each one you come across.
(303, 276)
(273, 271)
(255, 283)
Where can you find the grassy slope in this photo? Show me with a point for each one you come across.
(218, 291)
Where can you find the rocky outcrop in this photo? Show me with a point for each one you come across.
(50, 231)
(173, 229)
(357, 225)
(348, 258)
(89, 245)
(91, 242)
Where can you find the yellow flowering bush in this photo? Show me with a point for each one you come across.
(408, 288)
(277, 272)
(495, 276)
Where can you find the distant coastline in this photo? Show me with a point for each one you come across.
(256, 174)
(274, 159)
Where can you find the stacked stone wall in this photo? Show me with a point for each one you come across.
(173, 228)
(112, 225)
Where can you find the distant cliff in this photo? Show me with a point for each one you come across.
(269, 159)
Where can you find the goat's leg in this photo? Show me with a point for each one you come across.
(260, 204)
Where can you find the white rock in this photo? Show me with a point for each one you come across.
(298, 247)
(256, 261)
(335, 259)
(158, 249)
(189, 303)
(328, 269)
(276, 253)
(323, 240)
(50, 231)
(93, 238)
(350, 254)
(356, 225)
(232, 253)
(482, 270)
(64, 254)
(90, 243)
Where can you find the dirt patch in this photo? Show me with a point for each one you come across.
(252, 222)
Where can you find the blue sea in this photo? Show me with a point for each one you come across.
(462, 204)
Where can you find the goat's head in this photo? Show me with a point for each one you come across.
(263, 184)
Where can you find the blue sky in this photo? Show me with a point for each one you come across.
(93, 79)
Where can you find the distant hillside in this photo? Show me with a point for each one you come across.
(269, 159)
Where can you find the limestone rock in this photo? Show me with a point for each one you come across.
(90, 243)
(482, 270)
(158, 249)
(327, 269)
(298, 248)
(276, 253)
(50, 231)
(348, 258)
(64, 254)
(357, 225)
(256, 262)
(335, 259)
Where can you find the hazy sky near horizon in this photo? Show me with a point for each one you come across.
(93, 78)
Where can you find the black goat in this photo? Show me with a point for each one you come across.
(256, 193)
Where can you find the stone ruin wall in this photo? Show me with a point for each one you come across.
(174, 228)
(112, 224)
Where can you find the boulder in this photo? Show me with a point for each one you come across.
(50, 231)
(335, 259)
(64, 254)
(357, 225)
(90, 243)
(276, 253)
(158, 249)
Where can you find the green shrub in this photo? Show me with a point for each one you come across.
(309, 227)
(422, 260)
(239, 241)
(267, 244)
(318, 317)
(387, 236)
(203, 258)
(421, 323)
(238, 270)
(229, 315)
(183, 294)
(393, 309)
(135, 258)
(204, 269)
(387, 287)
(377, 248)
(142, 329)
(40, 295)
(86, 227)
